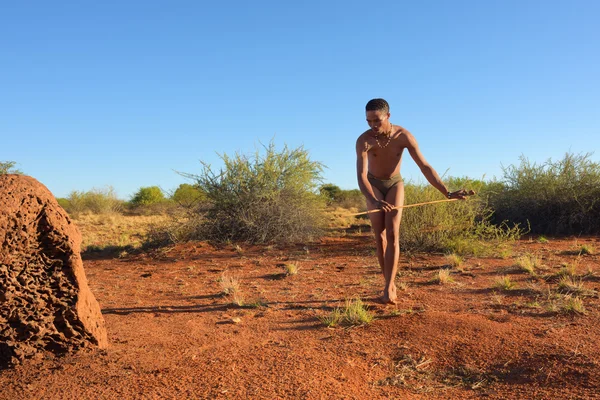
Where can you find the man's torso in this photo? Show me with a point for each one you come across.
(384, 161)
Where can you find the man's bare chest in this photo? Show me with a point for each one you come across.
(393, 151)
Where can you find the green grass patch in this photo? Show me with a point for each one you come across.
(454, 260)
(291, 269)
(460, 227)
(573, 305)
(504, 283)
(442, 277)
(528, 263)
(542, 239)
(586, 249)
(354, 313)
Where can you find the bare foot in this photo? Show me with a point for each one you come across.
(389, 297)
(386, 300)
(393, 297)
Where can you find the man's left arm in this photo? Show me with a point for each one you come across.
(427, 170)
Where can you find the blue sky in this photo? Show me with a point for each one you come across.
(123, 93)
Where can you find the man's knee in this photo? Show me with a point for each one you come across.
(391, 236)
(381, 237)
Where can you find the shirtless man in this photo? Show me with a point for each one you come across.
(378, 158)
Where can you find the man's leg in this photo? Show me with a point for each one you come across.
(378, 226)
(394, 196)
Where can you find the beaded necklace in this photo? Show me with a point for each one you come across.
(388, 136)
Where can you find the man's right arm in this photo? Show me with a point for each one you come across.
(362, 170)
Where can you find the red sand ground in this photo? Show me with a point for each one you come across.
(172, 334)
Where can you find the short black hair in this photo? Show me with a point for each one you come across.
(378, 105)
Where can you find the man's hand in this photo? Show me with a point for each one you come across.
(382, 205)
(461, 194)
(385, 206)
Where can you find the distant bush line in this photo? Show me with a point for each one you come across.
(554, 197)
(559, 197)
(278, 196)
(150, 200)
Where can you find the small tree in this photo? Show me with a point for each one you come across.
(343, 198)
(146, 196)
(7, 167)
(331, 192)
(188, 196)
(352, 199)
(267, 197)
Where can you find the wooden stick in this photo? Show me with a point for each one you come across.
(395, 208)
(469, 193)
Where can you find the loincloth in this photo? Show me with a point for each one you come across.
(384, 185)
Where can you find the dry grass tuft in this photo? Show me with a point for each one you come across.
(568, 284)
(542, 239)
(354, 313)
(238, 249)
(333, 319)
(402, 285)
(505, 253)
(291, 269)
(100, 231)
(229, 283)
(454, 260)
(230, 286)
(585, 249)
(504, 283)
(442, 277)
(573, 305)
(237, 298)
(568, 269)
(338, 218)
(528, 263)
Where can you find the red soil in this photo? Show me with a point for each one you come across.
(173, 335)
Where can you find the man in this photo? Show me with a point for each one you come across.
(378, 158)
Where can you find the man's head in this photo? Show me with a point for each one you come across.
(378, 105)
(378, 114)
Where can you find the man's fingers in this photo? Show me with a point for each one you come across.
(385, 206)
(463, 193)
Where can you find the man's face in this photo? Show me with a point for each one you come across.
(377, 120)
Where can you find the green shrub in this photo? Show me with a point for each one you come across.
(188, 196)
(95, 201)
(7, 167)
(150, 200)
(462, 227)
(352, 199)
(271, 196)
(64, 203)
(337, 197)
(146, 196)
(331, 192)
(556, 197)
(181, 227)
